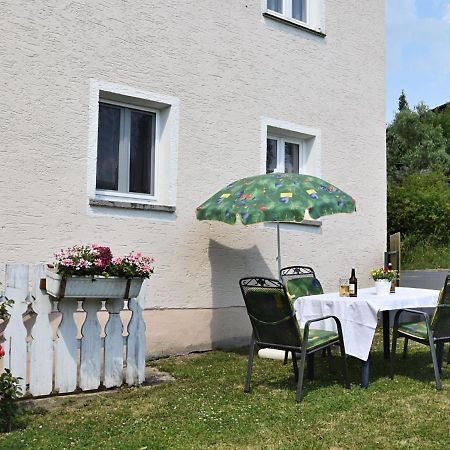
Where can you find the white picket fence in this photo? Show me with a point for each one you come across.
(51, 358)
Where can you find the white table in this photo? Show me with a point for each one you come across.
(359, 315)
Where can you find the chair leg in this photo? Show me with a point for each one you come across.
(435, 361)
(294, 363)
(448, 356)
(440, 354)
(405, 348)
(310, 366)
(250, 364)
(330, 360)
(393, 351)
(301, 371)
(286, 356)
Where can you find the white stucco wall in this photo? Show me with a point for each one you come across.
(229, 68)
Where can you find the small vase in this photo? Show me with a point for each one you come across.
(383, 287)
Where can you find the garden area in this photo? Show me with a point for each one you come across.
(205, 407)
(418, 170)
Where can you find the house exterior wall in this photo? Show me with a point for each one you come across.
(230, 69)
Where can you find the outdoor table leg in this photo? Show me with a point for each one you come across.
(386, 335)
(365, 371)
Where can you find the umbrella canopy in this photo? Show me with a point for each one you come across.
(275, 197)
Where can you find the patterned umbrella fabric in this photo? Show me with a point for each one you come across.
(275, 197)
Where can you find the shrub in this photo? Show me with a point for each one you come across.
(10, 391)
(419, 207)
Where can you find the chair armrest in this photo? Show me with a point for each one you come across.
(413, 311)
(309, 322)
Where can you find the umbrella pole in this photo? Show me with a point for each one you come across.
(279, 251)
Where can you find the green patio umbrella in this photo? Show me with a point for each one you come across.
(275, 197)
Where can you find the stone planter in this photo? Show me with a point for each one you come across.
(382, 287)
(92, 287)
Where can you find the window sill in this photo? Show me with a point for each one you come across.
(293, 226)
(311, 223)
(130, 205)
(293, 23)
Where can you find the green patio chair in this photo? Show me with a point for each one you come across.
(434, 332)
(301, 281)
(275, 326)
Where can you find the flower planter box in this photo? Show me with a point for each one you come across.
(382, 287)
(93, 287)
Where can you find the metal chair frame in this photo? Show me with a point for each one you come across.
(292, 273)
(268, 284)
(436, 344)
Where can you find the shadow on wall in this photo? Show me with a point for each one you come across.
(230, 326)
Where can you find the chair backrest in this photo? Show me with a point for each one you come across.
(440, 322)
(300, 281)
(270, 311)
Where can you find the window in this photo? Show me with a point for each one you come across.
(288, 147)
(132, 151)
(305, 14)
(284, 155)
(125, 149)
(292, 9)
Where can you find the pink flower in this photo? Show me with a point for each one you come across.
(2, 352)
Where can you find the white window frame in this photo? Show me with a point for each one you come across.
(281, 151)
(314, 15)
(286, 8)
(124, 154)
(167, 124)
(311, 138)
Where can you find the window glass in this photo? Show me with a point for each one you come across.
(141, 142)
(275, 5)
(108, 147)
(291, 157)
(271, 159)
(299, 10)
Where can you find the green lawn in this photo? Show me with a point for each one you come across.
(206, 408)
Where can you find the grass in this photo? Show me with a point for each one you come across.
(206, 408)
(425, 255)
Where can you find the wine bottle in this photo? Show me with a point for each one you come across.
(393, 282)
(353, 284)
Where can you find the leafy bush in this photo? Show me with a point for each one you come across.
(424, 254)
(419, 207)
(10, 391)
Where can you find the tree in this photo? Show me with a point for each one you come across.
(402, 102)
(443, 119)
(415, 142)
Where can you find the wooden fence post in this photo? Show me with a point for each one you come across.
(66, 348)
(114, 344)
(15, 333)
(41, 348)
(136, 340)
(90, 346)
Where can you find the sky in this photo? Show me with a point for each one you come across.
(417, 52)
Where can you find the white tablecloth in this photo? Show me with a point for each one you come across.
(358, 315)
